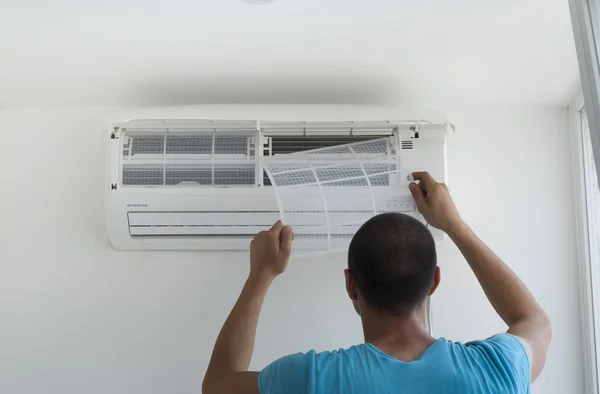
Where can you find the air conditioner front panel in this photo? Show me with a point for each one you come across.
(138, 218)
(206, 215)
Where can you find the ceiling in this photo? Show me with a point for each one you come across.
(180, 52)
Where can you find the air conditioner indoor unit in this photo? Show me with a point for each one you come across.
(193, 184)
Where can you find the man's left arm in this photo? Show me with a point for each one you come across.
(228, 368)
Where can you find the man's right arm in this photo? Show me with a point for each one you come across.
(508, 295)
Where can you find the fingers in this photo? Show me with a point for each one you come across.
(279, 229)
(425, 178)
(419, 196)
(285, 235)
(285, 242)
(276, 229)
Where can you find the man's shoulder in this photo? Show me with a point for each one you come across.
(328, 355)
(500, 361)
(321, 357)
(502, 341)
(297, 372)
(504, 346)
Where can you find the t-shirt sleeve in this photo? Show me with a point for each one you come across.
(505, 363)
(288, 375)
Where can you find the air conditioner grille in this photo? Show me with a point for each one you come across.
(201, 176)
(143, 176)
(227, 145)
(171, 159)
(189, 145)
(147, 145)
(238, 176)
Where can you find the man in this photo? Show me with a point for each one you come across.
(392, 269)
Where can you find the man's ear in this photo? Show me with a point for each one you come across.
(351, 285)
(436, 280)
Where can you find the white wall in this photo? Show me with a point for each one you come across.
(78, 317)
(228, 51)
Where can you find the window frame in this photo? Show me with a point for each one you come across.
(588, 275)
(585, 16)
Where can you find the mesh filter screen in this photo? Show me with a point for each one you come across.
(171, 159)
(327, 194)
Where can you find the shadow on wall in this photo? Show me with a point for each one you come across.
(267, 90)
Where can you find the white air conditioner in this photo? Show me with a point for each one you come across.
(203, 184)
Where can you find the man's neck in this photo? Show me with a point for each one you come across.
(404, 338)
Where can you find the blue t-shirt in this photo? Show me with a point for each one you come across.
(497, 365)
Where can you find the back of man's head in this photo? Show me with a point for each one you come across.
(393, 261)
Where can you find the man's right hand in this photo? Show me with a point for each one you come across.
(434, 202)
(270, 252)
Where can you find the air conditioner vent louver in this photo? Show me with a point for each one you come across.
(407, 144)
